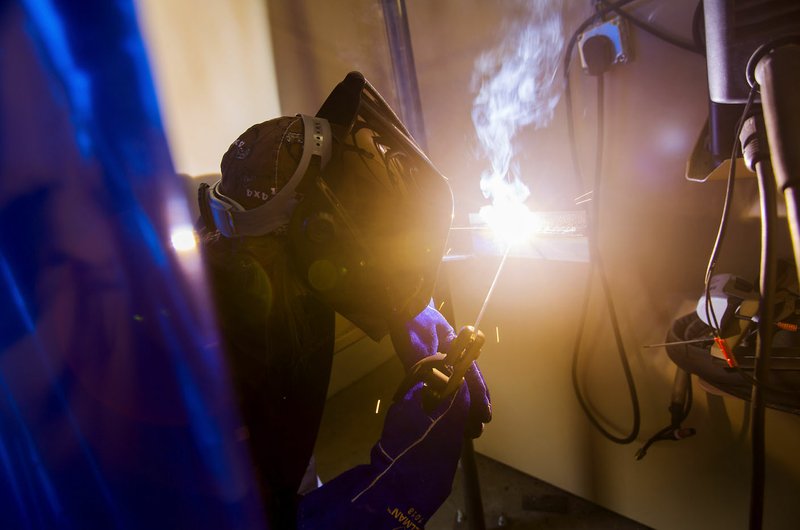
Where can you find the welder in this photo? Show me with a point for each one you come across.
(336, 212)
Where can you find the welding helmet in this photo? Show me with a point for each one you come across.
(365, 212)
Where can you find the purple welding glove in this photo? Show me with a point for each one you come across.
(409, 476)
(429, 333)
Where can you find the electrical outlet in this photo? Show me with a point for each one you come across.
(616, 29)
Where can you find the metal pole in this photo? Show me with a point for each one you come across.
(405, 75)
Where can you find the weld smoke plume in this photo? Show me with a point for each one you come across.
(517, 86)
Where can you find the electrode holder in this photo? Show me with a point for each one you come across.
(442, 373)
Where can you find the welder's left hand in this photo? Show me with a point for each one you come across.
(409, 475)
(429, 333)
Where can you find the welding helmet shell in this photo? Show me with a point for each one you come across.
(366, 214)
(370, 230)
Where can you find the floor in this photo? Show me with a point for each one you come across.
(511, 500)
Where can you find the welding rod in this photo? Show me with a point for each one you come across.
(679, 342)
(491, 288)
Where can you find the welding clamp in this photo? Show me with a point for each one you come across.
(441, 373)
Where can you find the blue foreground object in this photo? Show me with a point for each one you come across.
(115, 408)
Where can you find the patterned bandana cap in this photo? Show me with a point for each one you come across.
(260, 162)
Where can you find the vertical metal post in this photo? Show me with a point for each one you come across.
(473, 502)
(405, 74)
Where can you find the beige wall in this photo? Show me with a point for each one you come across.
(213, 68)
(657, 230)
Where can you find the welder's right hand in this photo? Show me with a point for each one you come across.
(429, 333)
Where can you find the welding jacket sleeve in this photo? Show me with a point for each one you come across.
(409, 476)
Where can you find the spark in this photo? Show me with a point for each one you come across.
(378, 406)
(497, 333)
(584, 197)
